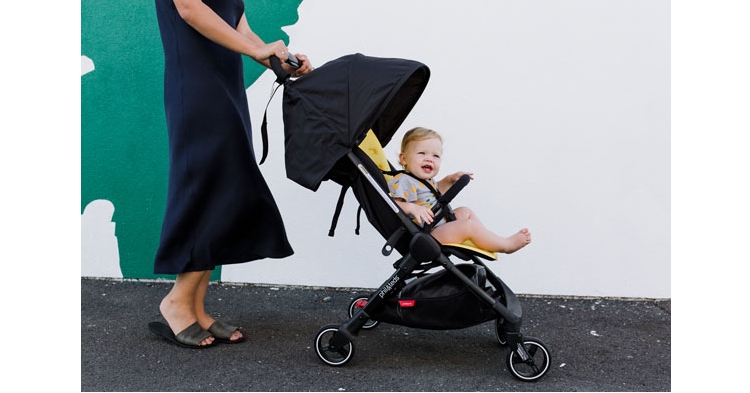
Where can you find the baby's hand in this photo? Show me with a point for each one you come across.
(423, 214)
(426, 215)
(457, 175)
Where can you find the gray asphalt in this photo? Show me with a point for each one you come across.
(595, 345)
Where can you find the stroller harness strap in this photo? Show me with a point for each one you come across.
(427, 184)
(441, 208)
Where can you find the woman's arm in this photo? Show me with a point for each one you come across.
(305, 66)
(242, 40)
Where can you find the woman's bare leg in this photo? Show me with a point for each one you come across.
(204, 319)
(199, 304)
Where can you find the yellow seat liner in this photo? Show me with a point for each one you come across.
(468, 245)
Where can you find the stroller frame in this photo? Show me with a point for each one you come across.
(527, 357)
(376, 94)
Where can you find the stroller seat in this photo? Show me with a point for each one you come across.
(374, 149)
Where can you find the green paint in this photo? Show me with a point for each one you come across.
(124, 149)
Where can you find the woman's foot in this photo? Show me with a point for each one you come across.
(179, 317)
(222, 331)
(517, 241)
(225, 333)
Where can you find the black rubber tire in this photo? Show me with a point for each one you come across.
(337, 357)
(535, 367)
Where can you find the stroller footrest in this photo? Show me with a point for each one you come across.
(468, 246)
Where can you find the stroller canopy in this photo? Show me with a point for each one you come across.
(329, 111)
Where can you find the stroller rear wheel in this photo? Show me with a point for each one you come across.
(333, 355)
(359, 303)
(532, 368)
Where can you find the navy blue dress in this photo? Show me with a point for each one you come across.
(219, 208)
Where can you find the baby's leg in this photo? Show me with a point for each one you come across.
(468, 227)
(464, 213)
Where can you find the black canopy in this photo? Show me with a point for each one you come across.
(329, 111)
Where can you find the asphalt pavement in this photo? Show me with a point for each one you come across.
(595, 344)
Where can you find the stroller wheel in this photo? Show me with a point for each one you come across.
(357, 304)
(532, 368)
(500, 332)
(333, 355)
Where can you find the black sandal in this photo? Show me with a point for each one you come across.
(191, 337)
(223, 333)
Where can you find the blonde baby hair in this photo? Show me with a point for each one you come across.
(418, 134)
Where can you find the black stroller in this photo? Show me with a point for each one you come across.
(336, 121)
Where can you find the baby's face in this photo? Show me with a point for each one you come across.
(422, 158)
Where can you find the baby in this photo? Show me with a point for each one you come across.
(421, 151)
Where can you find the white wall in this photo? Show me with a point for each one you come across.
(560, 108)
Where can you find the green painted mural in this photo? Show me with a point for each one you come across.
(124, 157)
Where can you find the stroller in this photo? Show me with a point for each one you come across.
(336, 121)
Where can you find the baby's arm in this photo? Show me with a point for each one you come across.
(448, 181)
(422, 213)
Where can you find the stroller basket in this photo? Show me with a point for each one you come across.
(438, 301)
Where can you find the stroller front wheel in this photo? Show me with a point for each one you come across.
(329, 352)
(535, 366)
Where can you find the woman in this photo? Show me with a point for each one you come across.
(219, 208)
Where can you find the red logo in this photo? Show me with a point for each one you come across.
(360, 303)
(406, 303)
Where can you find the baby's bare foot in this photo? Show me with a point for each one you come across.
(517, 241)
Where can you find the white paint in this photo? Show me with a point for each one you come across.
(87, 65)
(562, 110)
(100, 255)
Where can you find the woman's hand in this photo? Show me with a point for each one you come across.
(276, 48)
(279, 49)
(304, 68)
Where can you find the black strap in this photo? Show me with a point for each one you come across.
(441, 209)
(264, 126)
(427, 184)
(336, 213)
(359, 213)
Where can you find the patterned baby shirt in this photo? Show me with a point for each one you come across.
(410, 189)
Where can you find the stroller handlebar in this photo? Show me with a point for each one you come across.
(281, 74)
(459, 185)
(292, 61)
(442, 208)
